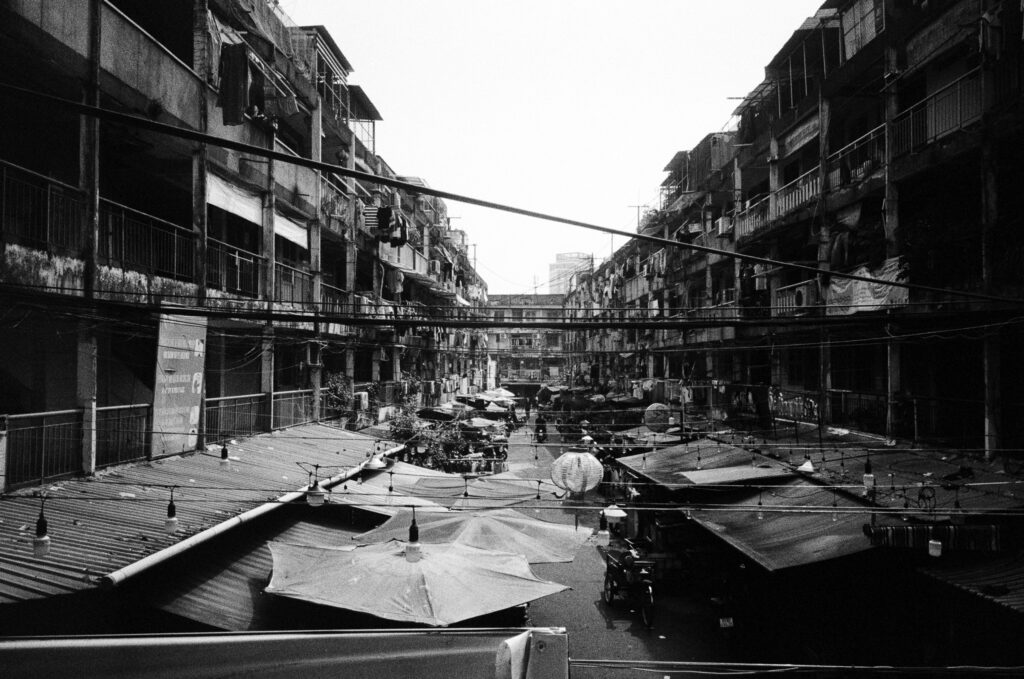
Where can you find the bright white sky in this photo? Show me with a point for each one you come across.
(568, 107)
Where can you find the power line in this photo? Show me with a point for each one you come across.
(417, 189)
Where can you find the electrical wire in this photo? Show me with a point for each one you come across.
(417, 189)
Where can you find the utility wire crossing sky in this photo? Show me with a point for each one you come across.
(569, 107)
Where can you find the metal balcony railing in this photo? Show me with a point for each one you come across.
(291, 285)
(235, 416)
(858, 159)
(754, 217)
(40, 212)
(132, 239)
(797, 193)
(43, 446)
(292, 408)
(952, 108)
(233, 270)
(122, 433)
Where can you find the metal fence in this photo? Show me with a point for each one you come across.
(292, 408)
(122, 434)
(232, 269)
(292, 285)
(947, 110)
(134, 240)
(40, 212)
(236, 416)
(42, 446)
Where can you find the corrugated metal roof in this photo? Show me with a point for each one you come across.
(998, 579)
(786, 538)
(100, 524)
(223, 585)
(671, 466)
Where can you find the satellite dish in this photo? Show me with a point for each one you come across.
(657, 417)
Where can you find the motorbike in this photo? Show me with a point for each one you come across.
(541, 430)
(632, 577)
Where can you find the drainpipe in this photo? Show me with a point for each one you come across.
(119, 576)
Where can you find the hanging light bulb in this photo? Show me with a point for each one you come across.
(538, 489)
(413, 552)
(760, 506)
(171, 522)
(869, 478)
(41, 542)
(391, 481)
(835, 507)
(224, 455)
(315, 494)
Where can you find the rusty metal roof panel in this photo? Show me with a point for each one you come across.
(223, 586)
(797, 525)
(998, 578)
(100, 524)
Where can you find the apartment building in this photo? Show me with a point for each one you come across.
(527, 357)
(163, 291)
(878, 147)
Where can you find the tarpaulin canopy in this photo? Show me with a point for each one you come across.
(498, 530)
(448, 583)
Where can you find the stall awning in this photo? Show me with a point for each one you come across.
(249, 206)
(798, 527)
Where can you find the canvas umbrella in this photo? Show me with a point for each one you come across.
(446, 584)
(496, 530)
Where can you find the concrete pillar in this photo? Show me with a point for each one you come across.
(350, 364)
(773, 177)
(375, 370)
(200, 64)
(894, 383)
(396, 364)
(315, 226)
(267, 375)
(85, 393)
(824, 260)
(316, 379)
(892, 109)
(89, 157)
(991, 345)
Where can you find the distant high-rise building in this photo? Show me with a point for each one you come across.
(566, 264)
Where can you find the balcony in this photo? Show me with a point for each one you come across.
(45, 214)
(797, 193)
(857, 160)
(405, 257)
(130, 239)
(233, 269)
(292, 286)
(800, 299)
(755, 217)
(336, 208)
(950, 109)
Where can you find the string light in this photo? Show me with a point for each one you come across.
(315, 494)
(760, 506)
(41, 542)
(171, 522)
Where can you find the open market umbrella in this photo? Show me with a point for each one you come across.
(496, 530)
(447, 584)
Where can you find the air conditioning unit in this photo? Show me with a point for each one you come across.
(693, 227)
(723, 225)
(361, 399)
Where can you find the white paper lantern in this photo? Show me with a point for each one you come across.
(577, 472)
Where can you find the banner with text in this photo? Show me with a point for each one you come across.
(847, 296)
(178, 388)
